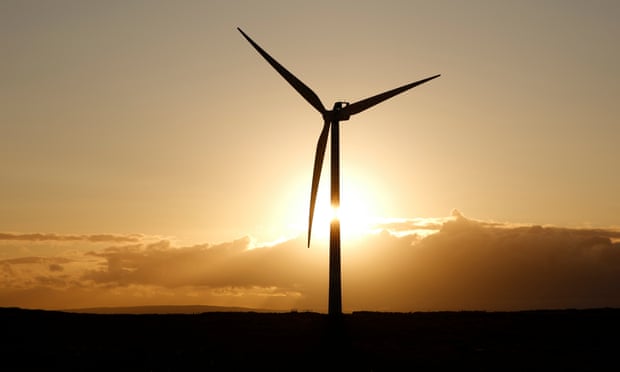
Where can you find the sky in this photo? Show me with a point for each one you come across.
(149, 155)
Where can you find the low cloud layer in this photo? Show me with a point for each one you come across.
(63, 237)
(453, 263)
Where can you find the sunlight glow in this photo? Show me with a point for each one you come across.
(334, 213)
(359, 215)
(355, 215)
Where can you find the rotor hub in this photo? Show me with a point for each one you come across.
(336, 114)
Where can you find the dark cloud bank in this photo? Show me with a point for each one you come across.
(466, 265)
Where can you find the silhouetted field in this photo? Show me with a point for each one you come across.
(551, 340)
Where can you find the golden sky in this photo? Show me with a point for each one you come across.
(150, 156)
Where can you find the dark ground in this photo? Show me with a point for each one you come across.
(551, 340)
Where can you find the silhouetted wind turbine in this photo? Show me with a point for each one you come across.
(331, 119)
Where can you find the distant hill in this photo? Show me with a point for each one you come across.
(167, 309)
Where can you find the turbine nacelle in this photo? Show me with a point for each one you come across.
(338, 113)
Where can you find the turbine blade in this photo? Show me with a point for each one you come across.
(316, 174)
(299, 86)
(367, 103)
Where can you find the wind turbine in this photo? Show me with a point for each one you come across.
(331, 120)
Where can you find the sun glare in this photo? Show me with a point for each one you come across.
(355, 220)
(355, 214)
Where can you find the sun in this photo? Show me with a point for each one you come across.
(356, 218)
(355, 213)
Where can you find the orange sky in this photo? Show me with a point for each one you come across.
(136, 134)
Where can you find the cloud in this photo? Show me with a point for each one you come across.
(463, 264)
(60, 237)
(55, 267)
(473, 264)
(35, 260)
(223, 266)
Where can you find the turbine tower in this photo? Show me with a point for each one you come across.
(331, 120)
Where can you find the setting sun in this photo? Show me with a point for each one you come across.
(356, 212)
